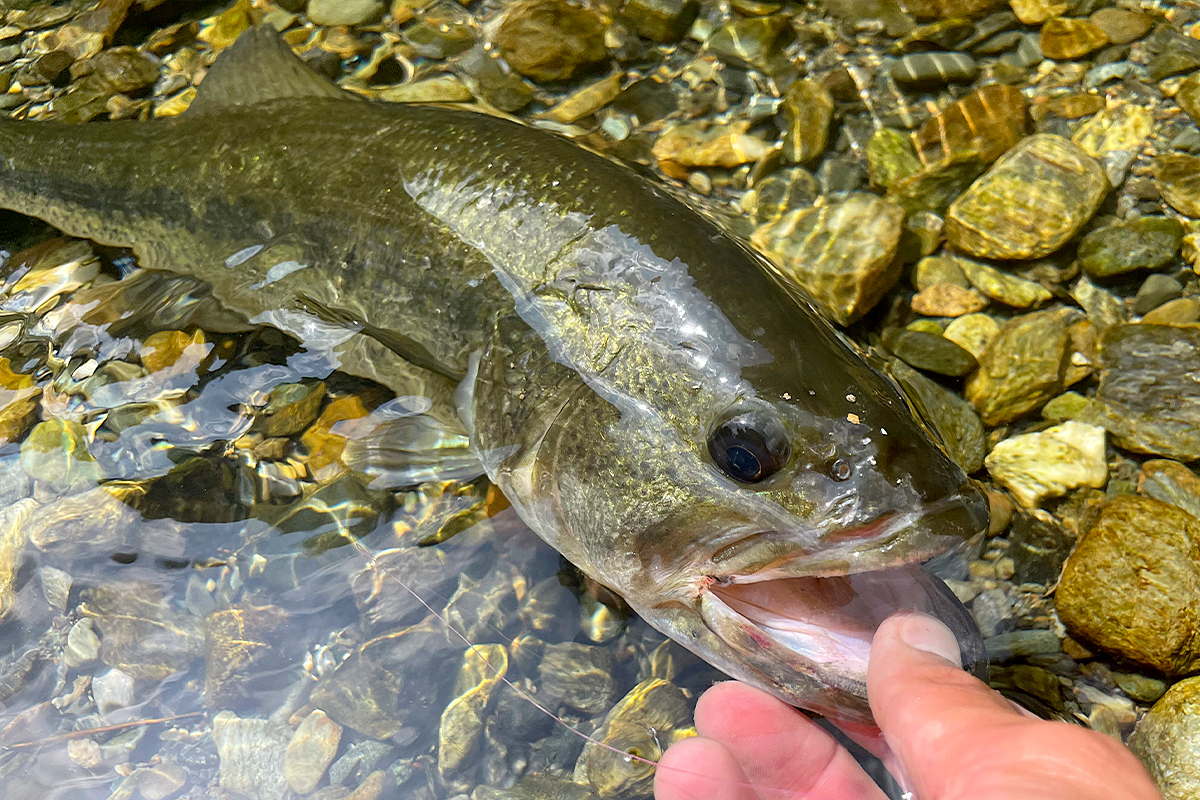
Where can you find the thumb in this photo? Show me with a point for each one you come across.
(954, 737)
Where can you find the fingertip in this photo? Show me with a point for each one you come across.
(731, 701)
(700, 767)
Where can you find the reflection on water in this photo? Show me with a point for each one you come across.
(190, 571)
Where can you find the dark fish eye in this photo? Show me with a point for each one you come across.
(841, 470)
(750, 447)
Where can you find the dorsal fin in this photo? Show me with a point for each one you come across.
(259, 67)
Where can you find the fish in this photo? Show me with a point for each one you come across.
(653, 399)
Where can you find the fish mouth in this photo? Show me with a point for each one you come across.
(802, 627)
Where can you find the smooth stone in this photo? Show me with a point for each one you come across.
(1022, 367)
(948, 300)
(1177, 178)
(343, 12)
(482, 670)
(252, 754)
(1104, 309)
(757, 43)
(1188, 96)
(1144, 399)
(1142, 243)
(948, 9)
(311, 751)
(931, 70)
(662, 21)
(987, 122)
(808, 110)
(973, 333)
(993, 611)
(587, 100)
(890, 157)
(443, 29)
(1154, 291)
(1049, 463)
(140, 632)
(1181, 311)
(113, 690)
(1038, 545)
(790, 188)
(1171, 53)
(933, 270)
(1035, 12)
(1132, 586)
(929, 351)
(577, 676)
(241, 641)
(1067, 405)
(83, 645)
(291, 407)
(1007, 289)
(359, 760)
(935, 186)
(1065, 38)
(690, 145)
(1115, 137)
(1120, 25)
(85, 753)
(92, 522)
(550, 40)
(1030, 203)
(953, 418)
(841, 253)
(1021, 644)
(1142, 688)
(56, 586)
(1167, 741)
(56, 452)
(1172, 483)
(157, 782)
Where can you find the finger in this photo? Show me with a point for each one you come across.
(783, 752)
(700, 769)
(948, 729)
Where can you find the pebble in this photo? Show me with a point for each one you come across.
(84, 752)
(698, 145)
(1022, 367)
(1177, 178)
(948, 300)
(1144, 400)
(344, 12)
(113, 690)
(1007, 289)
(1038, 545)
(252, 754)
(890, 157)
(1066, 38)
(1171, 482)
(578, 676)
(931, 70)
(662, 21)
(1035, 12)
(1104, 309)
(1034, 466)
(992, 610)
(1142, 688)
(1141, 243)
(841, 253)
(929, 351)
(1120, 25)
(954, 419)
(1067, 405)
(56, 452)
(986, 122)
(482, 670)
(932, 270)
(973, 333)
(808, 109)
(756, 43)
(1188, 96)
(551, 40)
(1181, 311)
(56, 586)
(83, 645)
(291, 407)
(1130, 587)
(1154, 291)
(1168, 741)
(1030, 203)
(311, 751)
(1021, 644)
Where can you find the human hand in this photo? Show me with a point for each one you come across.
(945, 736)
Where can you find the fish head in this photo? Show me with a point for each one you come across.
(769, 524)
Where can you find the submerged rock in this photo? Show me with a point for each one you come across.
(483, 669)
(252, 753)
(1034, 199)
(311, 751)
(1022, 367)
(1144, 399)
(1167, 741)
(1035, 466)
(551, 40)
(842, 253)
(1142, 243)
(1132, 586)
(141, 633)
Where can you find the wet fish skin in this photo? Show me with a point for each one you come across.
(604, 327)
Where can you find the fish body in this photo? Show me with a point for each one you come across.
(660, 408)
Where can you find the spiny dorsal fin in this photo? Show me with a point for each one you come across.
(259, 67)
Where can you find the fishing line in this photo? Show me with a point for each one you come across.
(625, 756)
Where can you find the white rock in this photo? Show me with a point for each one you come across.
(84, 752)
(112, 690)
(1034, 466)
(56, 586)
(83, 645)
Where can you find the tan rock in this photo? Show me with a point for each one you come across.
(1168, 741)
(1034, 466)
(948, 300)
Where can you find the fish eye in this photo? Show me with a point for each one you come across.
(841, 470)
(750, 447)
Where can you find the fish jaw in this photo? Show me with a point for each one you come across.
(801, 627)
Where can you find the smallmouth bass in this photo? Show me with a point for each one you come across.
(677, 422)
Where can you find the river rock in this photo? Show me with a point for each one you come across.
(1144, 399)
(948, 300)
(890, 157)
(311, 751)
(1154, 291)
(483, 669)
(1177, 177)
(1022, 367)
(690, 145)
(1035, 12)
(83, 645)
(841, 253)
(1034, 466)
(973, 333)
(808, 109)
(241, 641)
(344, 12)
(1132, 586)
(578, 676)
(756, 43)
(929, 351)
(1038, 545)
(551, 40)
(1007, 289)
(1188, 96)
(1167, 740)
(1121, 25)
(953, 418)
(931, 70)
(1030, 203)
(56, 453)
(1172, 483)
(934, 270)
(140, 632)
(662, 21)
(1180, 311)
(1104, 309)
(1064, 38)
(1142, 243)
(112, 690)
(252, 754)
(986, 122)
